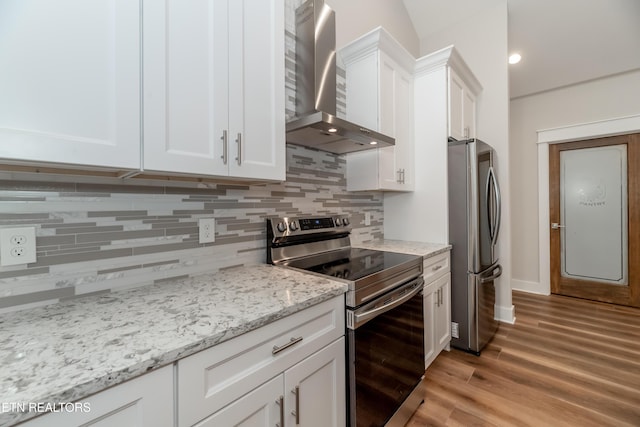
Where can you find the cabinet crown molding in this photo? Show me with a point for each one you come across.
(448, 56)
(374, 40)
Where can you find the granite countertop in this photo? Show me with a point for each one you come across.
(67, 351)
(425, 250)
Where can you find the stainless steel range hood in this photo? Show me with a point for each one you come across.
(316, 125)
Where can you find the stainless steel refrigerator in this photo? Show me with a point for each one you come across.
(474, 224)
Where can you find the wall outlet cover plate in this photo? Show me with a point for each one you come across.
(17, 246)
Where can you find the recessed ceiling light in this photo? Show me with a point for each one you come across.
(333, 130)
(374, 143)
(515, 58)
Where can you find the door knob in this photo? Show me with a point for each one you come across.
(555, 226)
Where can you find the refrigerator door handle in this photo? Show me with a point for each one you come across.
(494, 228)
(487, 192)
(494, 276)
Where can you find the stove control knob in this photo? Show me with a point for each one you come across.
(337, 222)
(345, 221)
(282, 227)
(293, 226)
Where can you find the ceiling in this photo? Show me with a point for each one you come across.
(562, 42)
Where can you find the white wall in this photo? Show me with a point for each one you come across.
(606, 98)
(355, 18)
(482, 42)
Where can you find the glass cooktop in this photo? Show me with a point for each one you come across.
(351, 263)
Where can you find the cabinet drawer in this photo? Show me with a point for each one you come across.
(213, 378)
(435, 267)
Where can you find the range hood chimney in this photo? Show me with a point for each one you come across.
(316, 124)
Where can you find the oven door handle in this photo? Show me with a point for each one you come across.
(362, 318)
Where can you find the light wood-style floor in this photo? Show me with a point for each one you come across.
(566, 362)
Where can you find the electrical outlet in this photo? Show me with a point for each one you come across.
(207, 230)
(18, 252)
(17, 246)
(454, 330)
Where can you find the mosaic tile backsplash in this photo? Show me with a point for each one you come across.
(98, 237)
(103, 234)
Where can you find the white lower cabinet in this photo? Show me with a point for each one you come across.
(261, 407)
(311, 393)
(314, 389)
(146, 401)
(300, 358)
(437, 306)
(443, 313)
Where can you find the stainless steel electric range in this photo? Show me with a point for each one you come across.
(385, 322)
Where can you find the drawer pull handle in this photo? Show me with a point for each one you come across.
(436, 268)
(296, 413)
(293, 341)
(280, 402)
(239, 142)
(224, 147)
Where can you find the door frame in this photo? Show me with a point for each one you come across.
(597, 129)
(617, 294)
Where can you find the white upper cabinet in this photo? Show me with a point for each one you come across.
(462, 108)
(445, 85)
(214, 88)
(379, 85)
(70, 82)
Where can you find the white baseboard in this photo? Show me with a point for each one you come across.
(526, 286)
(505, 314)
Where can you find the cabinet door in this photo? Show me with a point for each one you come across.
(389, 173)
(256, 89)
(213, 378)
(259, 408)
(146, 401)
(404, 152)
(443, 313)
(315, 389)
(456, 107)
(462, 109)
(185, 86)
(70, 86)
(391, 113)
(396, 119)
(430, 308)
(469, 113)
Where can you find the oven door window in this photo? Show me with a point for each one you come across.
(386, 357)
